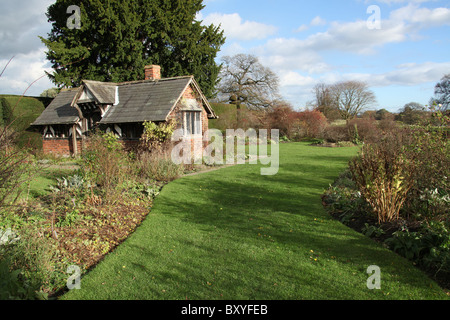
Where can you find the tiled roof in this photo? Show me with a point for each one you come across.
(59, 110)
(146, 101)
(139, 101)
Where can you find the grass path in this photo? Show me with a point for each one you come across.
(234, 234)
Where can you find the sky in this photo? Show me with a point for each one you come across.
(399, 48)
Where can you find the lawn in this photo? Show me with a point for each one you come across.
(234, 234)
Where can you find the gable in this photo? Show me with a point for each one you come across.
(100, 92)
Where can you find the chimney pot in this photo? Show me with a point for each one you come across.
(152, 72)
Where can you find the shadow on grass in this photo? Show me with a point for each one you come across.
(234, 234)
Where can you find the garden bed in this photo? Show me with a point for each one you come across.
(407, 237)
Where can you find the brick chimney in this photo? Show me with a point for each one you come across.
(152, 72)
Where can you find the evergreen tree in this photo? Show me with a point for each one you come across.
(117, 38)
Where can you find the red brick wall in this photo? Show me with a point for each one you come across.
(61, 147)
(176, 114)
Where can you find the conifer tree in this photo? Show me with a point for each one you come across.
(117, 38)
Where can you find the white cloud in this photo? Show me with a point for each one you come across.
(302, 28)
(306, 55)
(237, 29)
(355, 37)
(297, 88)
(23, 70)
(422, 18)
(318, 21)
(21, 22)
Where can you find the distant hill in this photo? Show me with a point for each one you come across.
(25, 111)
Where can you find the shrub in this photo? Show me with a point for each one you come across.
(382, 174)
(154, 160)
(363, 130)
(387, 125)
(30, 266)
(430, 152)
(158, 165)
(429, 247)
(283, 118)
(15, 169)
(155, 135)
(312, 123)
(105, 162)
(335, 134)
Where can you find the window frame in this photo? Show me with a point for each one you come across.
(192, 123)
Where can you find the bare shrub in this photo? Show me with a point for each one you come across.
(284, 118)
(312, 123)
(158, 165)
(364, 130)
(105, 162)
(336, 134)
(382, 174)
(14, 167)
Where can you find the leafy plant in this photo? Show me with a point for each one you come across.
(372, 231)
(30, 266)
(428, 247)
(344, 203)
(405, 243)
(72, 184)
(155, 135)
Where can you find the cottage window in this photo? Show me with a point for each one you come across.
(56, 131)
(192, 123)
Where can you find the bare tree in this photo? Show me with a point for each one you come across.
(244, 80)
(441, 100)
(351, 97)
(323, 101)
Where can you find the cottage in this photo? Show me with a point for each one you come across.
(122, 108)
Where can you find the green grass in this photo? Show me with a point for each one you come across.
(26, 110)
(40, 183)
(234, 234)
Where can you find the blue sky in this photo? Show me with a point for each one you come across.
(304, 42)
